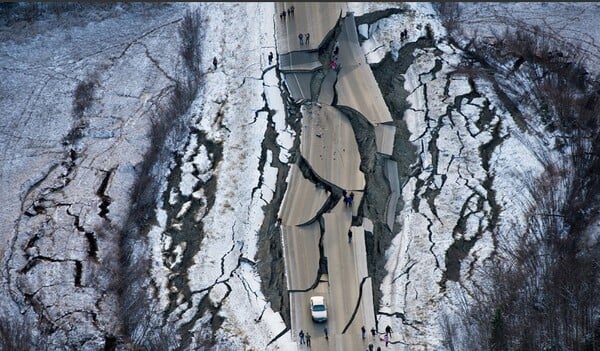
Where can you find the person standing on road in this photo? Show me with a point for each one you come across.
(292, 9)
(307, 36)
(363, 332)
(373, 332)
(215, 62)
(349, 236)
(270, 57)
(301, 37)
(326, 334)
(301, 335)
(307, 339)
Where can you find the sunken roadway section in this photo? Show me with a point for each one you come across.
(319, 257)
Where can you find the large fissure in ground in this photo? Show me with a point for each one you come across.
(388, 74)
(270, 261)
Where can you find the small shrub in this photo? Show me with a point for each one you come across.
(84, 94)
(189, 33)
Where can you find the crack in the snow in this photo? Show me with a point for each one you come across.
(406, 270)
(134, 41)
(101, 193)
(35, 260)
(156, 63)
(429, 237)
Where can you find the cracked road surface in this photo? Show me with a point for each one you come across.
(319, 258)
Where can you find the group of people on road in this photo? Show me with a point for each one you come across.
(287, 13)
(386, 337)
(304, 38)
(304, 338)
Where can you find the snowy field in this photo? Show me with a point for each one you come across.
(53, 194)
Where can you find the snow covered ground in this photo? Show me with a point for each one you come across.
(472, 155)
(227, 111)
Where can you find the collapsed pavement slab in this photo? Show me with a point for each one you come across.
(356, 86)
(308, 199)
(384, 138)
(329, 146)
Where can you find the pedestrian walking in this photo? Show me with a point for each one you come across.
(289, 12)
(363, 332)
(307, 339)
(292, 8)
(301, 335)
(386, 338)
(326, 334)
(370, 347)
(388, 330)
(307, 37)
(270, 57)
(281, 16)
(283, 13)
(215, 62)
(301, 37)
(349, 236)
(373, 331)
(378, 348)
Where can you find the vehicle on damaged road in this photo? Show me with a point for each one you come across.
(318, 309)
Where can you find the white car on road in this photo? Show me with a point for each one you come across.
(318, 309)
